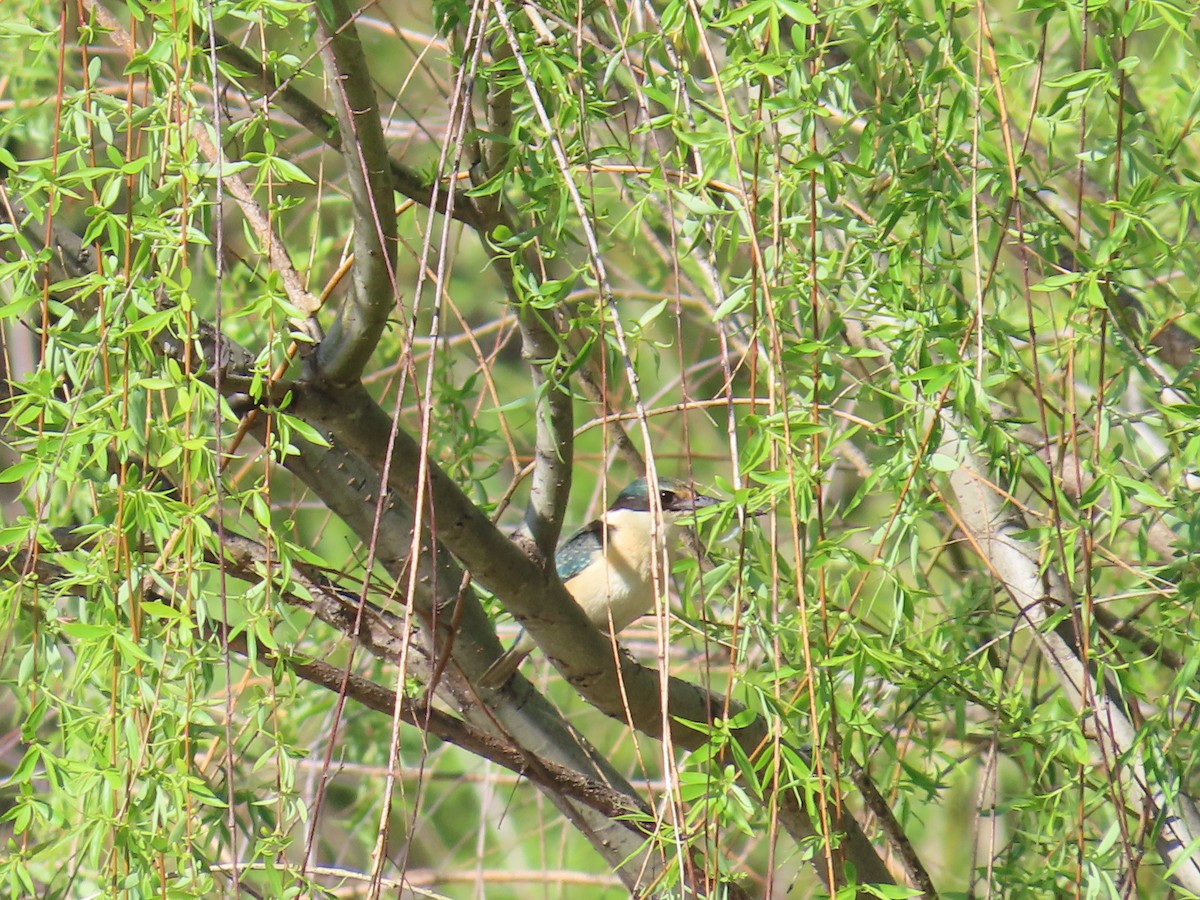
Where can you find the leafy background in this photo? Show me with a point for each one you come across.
(843, 264)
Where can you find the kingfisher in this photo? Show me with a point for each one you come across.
(607, 565)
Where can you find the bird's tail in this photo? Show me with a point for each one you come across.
(505, 667)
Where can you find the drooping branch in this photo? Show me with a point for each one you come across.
(260, 223)
(321, 124)
(541, 345)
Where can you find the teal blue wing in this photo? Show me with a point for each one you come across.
(578, 551)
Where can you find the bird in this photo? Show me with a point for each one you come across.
(607, 565)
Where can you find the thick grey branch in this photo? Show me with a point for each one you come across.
(554, 448)
(351, 340)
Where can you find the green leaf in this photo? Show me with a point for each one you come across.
(82, 631)
(19, 471)
(798, 11)
(940, 462)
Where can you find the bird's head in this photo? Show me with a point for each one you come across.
(676, 498)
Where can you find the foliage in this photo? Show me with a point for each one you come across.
(912, 280)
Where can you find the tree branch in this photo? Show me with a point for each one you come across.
(553, 778)
(993, 530)
(352, 338)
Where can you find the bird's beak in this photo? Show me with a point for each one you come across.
(697, 502)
